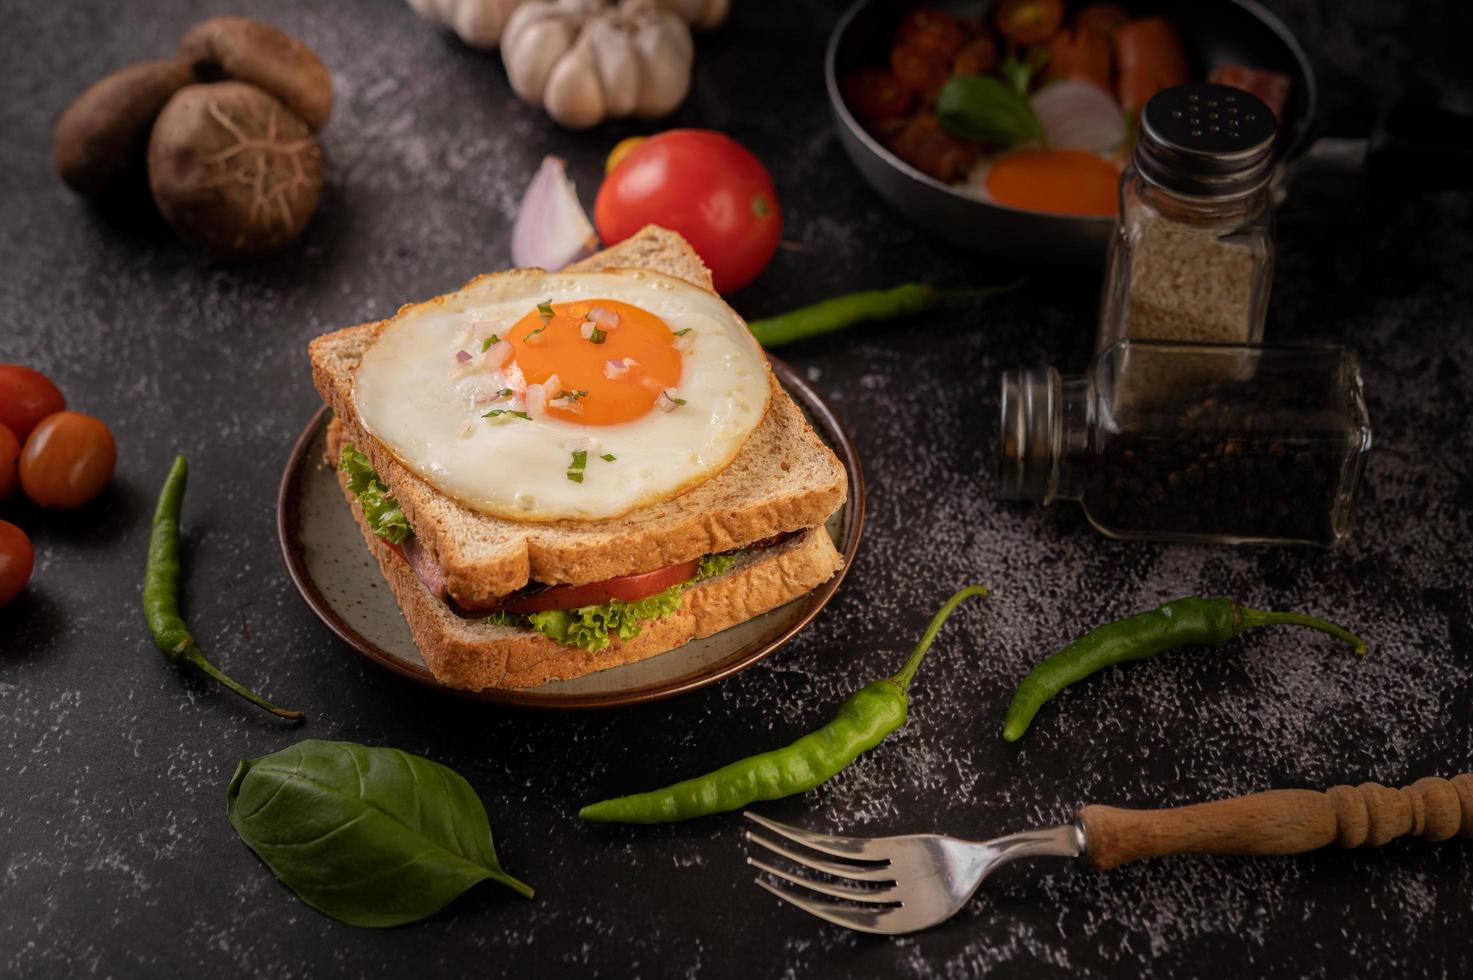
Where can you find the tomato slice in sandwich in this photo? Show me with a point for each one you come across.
(625, 588)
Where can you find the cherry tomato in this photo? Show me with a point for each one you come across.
(1083, 54)
(874, 93)
(920, 69)
(932, 150)
(1028, 21)
(1102, 18)
(26, 397)
(625, 588)
(979, 57)
(17, 558)
(930, 28)
(9, 462)
(67, 460)
(704, 185)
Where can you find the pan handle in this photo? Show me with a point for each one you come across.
(1417, 148)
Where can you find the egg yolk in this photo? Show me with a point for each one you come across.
(1061, 181)
(639, 352)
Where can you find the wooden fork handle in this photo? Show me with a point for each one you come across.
(1282, 821)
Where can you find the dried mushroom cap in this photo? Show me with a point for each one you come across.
(100, 140)
(250, 51)
(233, 170)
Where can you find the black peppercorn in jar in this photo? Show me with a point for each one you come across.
(1193, 442)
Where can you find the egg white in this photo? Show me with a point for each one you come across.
(413, 397)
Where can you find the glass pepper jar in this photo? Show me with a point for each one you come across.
(1192, 254)
(1193, 442)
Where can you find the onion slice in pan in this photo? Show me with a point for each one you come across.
(1078, 115)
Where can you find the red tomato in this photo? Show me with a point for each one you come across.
(1028, 21)
(920, 69)
(9, 462)
(67, 460)
(874, 93)
(16, 561)
(626, 588)
(26, 397)
(704, 185)
(934, 29)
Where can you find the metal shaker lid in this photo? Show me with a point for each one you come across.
(1206, 140)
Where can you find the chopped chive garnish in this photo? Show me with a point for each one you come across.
(682, 333)
(598, 336)
(535, 332)
(575, 394)
(544, 310)
(575, 468)
(608, 457)
(504, 393)
(505, 411)
(486, 344)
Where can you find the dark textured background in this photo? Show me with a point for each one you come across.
(115, 855)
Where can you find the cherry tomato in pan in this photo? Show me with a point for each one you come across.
(1102, 18)
(9, 462)
(704, 185)
(1028, 21)
(26, 397)
(67, 460)
(979, 57)
(625, 588)
(920, 69)
(16, 561)
(930, 28)
(874, 93)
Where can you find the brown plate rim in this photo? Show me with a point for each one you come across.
(837, 436)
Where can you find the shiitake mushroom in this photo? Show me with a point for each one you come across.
(233, 170)
(99, 142)
(250, 51)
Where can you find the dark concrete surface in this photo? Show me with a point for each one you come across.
(115, 855)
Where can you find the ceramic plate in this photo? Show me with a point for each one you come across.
(341, 581)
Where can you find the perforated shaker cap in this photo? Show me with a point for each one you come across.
(1207, 141)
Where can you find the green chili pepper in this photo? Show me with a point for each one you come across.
(853, 308)
(1180, 623)
(161, 591)
(863, 721)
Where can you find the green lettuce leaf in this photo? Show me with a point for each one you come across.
(384, 516)
(714, 565)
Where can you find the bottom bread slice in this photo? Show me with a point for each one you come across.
(474, 654)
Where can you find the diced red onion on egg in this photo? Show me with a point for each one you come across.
(586, 329)
(462, 357)
(497, 354)
(551, 227)
(605, 318)
(666, 402)
(614, 370)
(536, 397)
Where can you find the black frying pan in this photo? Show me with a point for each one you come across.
(1433, 147)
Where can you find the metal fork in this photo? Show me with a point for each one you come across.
(892, 885)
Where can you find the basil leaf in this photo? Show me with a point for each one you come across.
(371, 837)
(984, 108)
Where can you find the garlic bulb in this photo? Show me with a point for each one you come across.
(585, 61)
(478, 23)
(703, 15)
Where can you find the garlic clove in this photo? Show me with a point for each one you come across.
(532, 54)
(664, 48)
(617, 65)
(574, 96)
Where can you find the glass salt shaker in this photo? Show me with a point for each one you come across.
(1192, 253)
(1193, 442)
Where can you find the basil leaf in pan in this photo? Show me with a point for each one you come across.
(370, 836)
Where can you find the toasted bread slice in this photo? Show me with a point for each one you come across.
(474, 654)
(784, 479)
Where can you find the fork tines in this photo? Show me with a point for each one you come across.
(861, 879)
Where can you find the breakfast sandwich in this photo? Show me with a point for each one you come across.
(563, 472)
